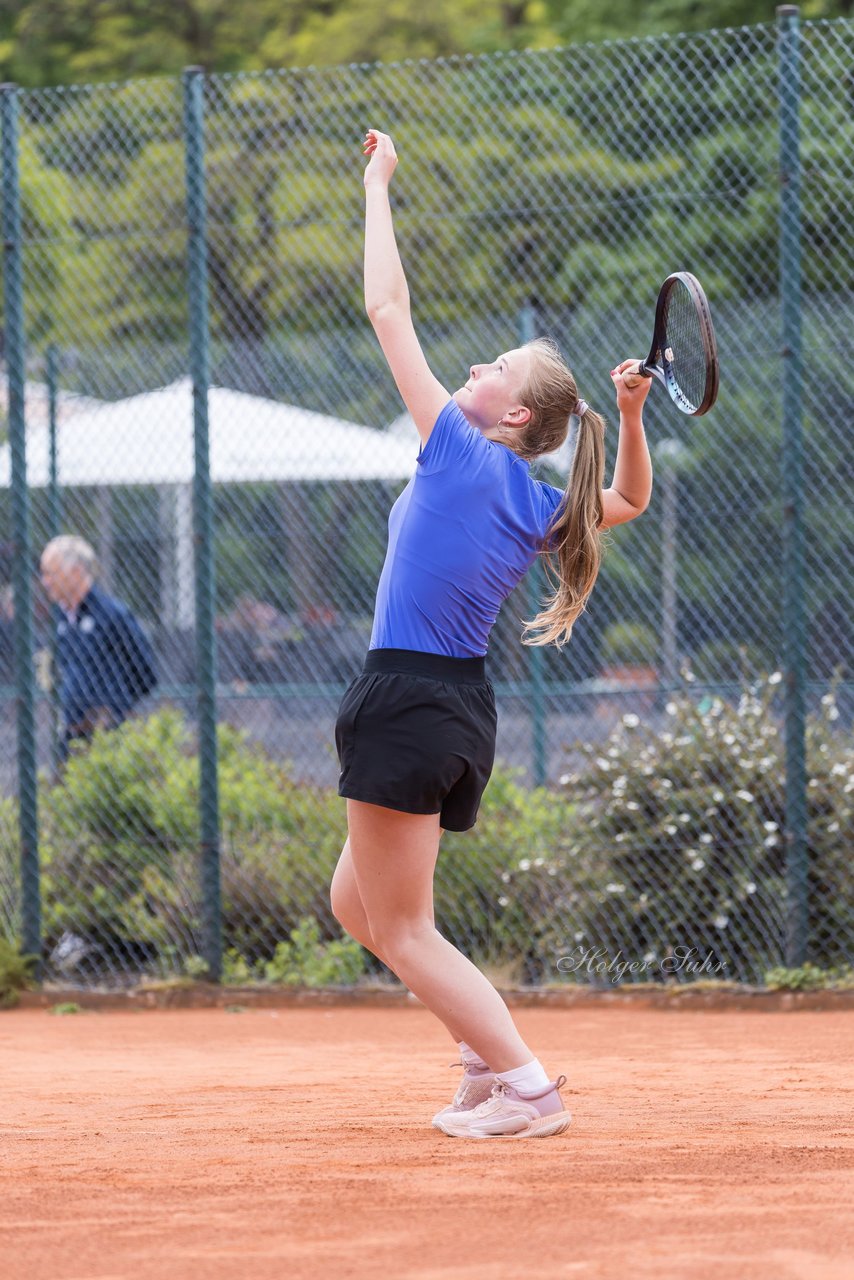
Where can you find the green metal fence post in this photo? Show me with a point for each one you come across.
(203, 518)
(22, 569)
(794, 627)
(54, 523)
(536, 655)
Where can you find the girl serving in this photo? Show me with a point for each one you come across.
(416, 729)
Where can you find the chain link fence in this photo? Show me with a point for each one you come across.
(636, 824)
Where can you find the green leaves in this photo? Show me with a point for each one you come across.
(15, 974)
(810, 977)
(681, 830)
(658, 839)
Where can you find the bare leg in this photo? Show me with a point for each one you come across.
(349, 911)
(347, 905)
(393, 857)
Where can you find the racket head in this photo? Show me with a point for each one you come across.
(684, 353)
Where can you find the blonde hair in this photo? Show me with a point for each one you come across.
(572, 550)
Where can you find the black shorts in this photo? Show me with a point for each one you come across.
(416, 732)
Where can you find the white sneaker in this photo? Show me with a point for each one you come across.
(510, 1114)
(475, 1087)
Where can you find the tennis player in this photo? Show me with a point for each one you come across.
(415, 732)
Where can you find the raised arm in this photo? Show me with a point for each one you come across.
(387, 294)
(631, 487)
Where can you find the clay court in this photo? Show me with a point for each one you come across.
(296, 1142)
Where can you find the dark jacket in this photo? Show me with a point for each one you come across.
(105, 664)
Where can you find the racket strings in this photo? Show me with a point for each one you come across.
(686, 348)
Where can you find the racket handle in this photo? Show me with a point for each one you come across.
(633, 380)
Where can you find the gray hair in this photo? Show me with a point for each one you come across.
(74, 552)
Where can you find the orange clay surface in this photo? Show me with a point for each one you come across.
(208, 1144)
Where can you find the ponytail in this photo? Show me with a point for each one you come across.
(572, 551)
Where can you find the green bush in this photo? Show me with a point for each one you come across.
(119, 847)
(654, 841)
(15, 974)
(810, 978)
(305, 959)
(629, 643)
(280, 841)
(121, 865)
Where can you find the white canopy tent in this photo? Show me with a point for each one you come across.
(148, 440)
(37, 402)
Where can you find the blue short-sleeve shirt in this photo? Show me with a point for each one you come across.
(462, 535)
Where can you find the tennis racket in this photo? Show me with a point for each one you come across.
(684, 354)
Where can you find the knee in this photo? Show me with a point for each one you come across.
(348, 911)
(345, 910)
(342, 908)
(399, 940)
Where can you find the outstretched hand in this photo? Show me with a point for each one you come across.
(631, 390)
(383, 158)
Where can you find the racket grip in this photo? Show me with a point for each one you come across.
(633, 380)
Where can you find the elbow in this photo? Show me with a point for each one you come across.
(386, 311)
(641, 506)
(630, 509)
(375, 310)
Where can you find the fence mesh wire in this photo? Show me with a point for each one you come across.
(636, 814)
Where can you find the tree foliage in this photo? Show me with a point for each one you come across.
(566, 179)
(45, 42)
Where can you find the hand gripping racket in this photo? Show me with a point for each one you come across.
(684, 354)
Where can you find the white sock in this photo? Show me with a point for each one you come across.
(472, 1061)
(531, 1078)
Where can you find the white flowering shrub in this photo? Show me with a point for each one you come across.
(675, 839)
